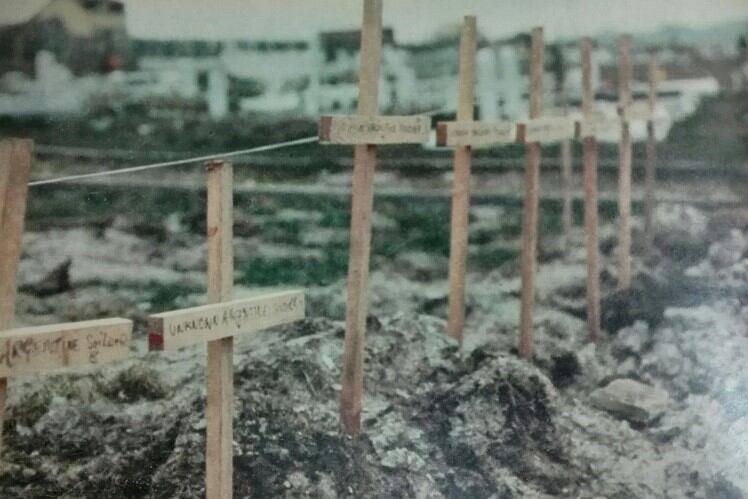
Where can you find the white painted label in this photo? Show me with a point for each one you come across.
(339, 129)
(601, 127)
(181, 328)
(636, 111)
(479, 133)
(550, 129)
(34, 350)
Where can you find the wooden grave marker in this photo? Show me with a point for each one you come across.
(651, 158)
(216, 324)
(34, 350)
(630, 112)
(595, 124)
(588, 128)
(567, 184)
(535, 131)
(460, 135)
(181, 328)
(625, 151)
(15, 166)
(463, 135)
(353, 129)
(364, 131)
(474, 134)
(545, 129)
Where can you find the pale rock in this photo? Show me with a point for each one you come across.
(633, 338)
(728, 251)
(631, 400)
(173, 224)
(681, 220)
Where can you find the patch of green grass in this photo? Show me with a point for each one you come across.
(165, 296)
(549, 222)
(424, 227)
(333, 217)
(490, 260)
(296, 271)
(482, 236)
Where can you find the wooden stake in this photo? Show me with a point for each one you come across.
(651, 159)
(530, 209)
(567, 188)
(590, 197)
(461, 188)
(219, 370)
(567, 215)
(624, 184)
(364, 163)
(15, 166)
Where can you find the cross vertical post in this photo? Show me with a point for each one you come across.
(220, 352)
(625, 151)
(15, 166)
(567, 201)
(461, 188)
(567, 214)
(364, 130)
(217, 323)
(590, 196)
(530, 208)
(651, 158)
(362, 200)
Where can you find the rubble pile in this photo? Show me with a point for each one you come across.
(656, 409)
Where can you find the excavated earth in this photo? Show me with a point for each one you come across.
(439, 422)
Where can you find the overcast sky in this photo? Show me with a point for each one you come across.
(416, 20)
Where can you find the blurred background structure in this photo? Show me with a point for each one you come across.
(78, 57)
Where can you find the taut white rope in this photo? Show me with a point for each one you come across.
(153, 166)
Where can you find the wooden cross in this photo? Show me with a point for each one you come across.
(587, 129)
(567, 204)
(535, 131)
(216, 324)
(15, 165)
(651, 158)
(624, 183)
(364, 130)
(463, 135)
(34, 350)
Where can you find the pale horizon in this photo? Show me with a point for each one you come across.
(418, 20)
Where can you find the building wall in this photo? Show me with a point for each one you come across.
(87, 40)
(83, 22)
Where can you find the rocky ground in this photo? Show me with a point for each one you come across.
(439, 422)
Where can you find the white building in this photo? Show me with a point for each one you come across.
(338, 62)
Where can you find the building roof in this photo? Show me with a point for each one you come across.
(14, 12)
(17, 12)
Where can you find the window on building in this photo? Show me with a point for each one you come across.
(202, 81)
